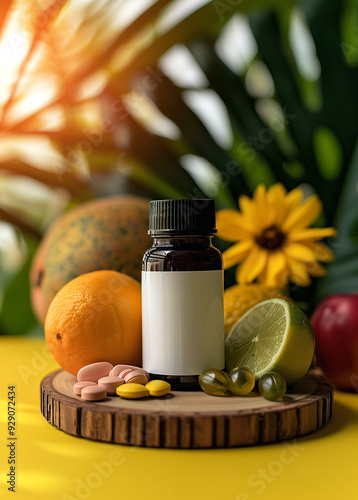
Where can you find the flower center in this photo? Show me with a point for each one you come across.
(270, 238)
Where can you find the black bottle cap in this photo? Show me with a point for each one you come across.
(191, 216)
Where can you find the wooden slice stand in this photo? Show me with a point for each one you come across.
(188, 419)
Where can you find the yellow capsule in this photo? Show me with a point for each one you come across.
(158, 387)
(241, 381)
(132, 391)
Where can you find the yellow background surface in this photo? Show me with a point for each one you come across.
(53, 465)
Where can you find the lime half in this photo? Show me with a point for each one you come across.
(274, 335)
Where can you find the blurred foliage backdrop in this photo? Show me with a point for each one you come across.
(173, 98)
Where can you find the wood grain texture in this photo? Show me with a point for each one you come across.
(188, 419)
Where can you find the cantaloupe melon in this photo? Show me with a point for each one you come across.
(106, 233)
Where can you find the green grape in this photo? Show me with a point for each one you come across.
(214, 382)
(241, 381)
(272, 386)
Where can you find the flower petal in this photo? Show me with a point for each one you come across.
(275, 274)
(249, 213)
(231, 225)
(275, 191)
(260, 192)
(265, 211)
(299, 252)
(290, 203)
(245, 203)
(303, 215)
(259, 199)
(236, 253)
(321, 251)
(276, 199)
(298, 272)
(252, 266)
(293, 198)
(316, 269)
(315, 233)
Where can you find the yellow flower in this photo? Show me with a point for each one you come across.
(273, 242)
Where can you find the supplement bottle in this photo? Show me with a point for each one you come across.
(182, 293)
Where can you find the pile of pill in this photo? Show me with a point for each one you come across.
(96, 380)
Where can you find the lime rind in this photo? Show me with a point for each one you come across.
(274, 335)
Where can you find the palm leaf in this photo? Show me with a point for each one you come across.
(342, 274)
(4, 10)
(168, 97)
(49, 14)
(148, 17)
(337, 91)
(315, 146)
(240, 105)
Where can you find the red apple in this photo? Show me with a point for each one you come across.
(335, 324)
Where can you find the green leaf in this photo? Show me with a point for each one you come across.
(349, 32)
(241, 107)
(347, 213)
(16, 316)
(342, 278)
(301, 122)
(168, 97)
(328, 153)
(207, 21)
(343, 272)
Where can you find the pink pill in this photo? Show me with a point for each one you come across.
(119, 368)
(94, 371)
(93, 393)
(80, 385)
(141, 369)
(110, 384)
(136, 376)
(125, 372)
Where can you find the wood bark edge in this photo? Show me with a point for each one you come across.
(191, 430)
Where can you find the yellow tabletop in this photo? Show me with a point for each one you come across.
(53, 465)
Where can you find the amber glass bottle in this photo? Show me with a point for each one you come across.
(182, 293)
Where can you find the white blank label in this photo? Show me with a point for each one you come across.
(183, 321)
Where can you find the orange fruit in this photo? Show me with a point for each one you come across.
(240, 298)
(96, 317)
(106, 233)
